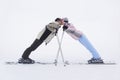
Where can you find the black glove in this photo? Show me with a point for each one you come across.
(65, 27)
(45, 43)
(56, 31)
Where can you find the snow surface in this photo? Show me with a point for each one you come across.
(51, 72)
(21, 21)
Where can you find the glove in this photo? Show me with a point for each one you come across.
(65, 27)
(56, 32)
(45, 43)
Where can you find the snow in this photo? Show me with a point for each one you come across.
(51, 72)
(21, 21)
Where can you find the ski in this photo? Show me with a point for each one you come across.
(42, 63)
(85, 63)
(91, 64)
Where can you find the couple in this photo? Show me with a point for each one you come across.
(50, 31)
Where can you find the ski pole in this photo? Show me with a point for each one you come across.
(59, 49)
(59, 42)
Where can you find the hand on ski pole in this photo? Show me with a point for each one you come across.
(65, 27)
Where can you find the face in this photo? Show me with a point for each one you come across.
(61, 22)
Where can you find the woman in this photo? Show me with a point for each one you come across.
(78, 35)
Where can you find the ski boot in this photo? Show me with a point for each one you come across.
(26, 61)
(95, 61)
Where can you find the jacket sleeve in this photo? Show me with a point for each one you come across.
(53, 26)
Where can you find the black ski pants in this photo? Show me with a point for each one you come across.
(35, 44)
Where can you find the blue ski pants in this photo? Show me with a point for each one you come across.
(86, 43)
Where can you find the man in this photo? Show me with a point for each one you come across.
(45, 35)
(78, 35)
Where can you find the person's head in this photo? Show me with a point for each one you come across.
(59, 20)
(65, 20)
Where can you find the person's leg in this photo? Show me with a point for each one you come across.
(35, 44)
(27, 52)
(85, 42)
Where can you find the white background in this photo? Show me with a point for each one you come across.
(21, 21)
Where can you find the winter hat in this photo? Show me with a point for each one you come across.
(65, 19)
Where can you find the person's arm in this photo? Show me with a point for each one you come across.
(54, 26)
(68, 28)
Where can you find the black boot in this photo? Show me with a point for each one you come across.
(26, 61)
(95, 61)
